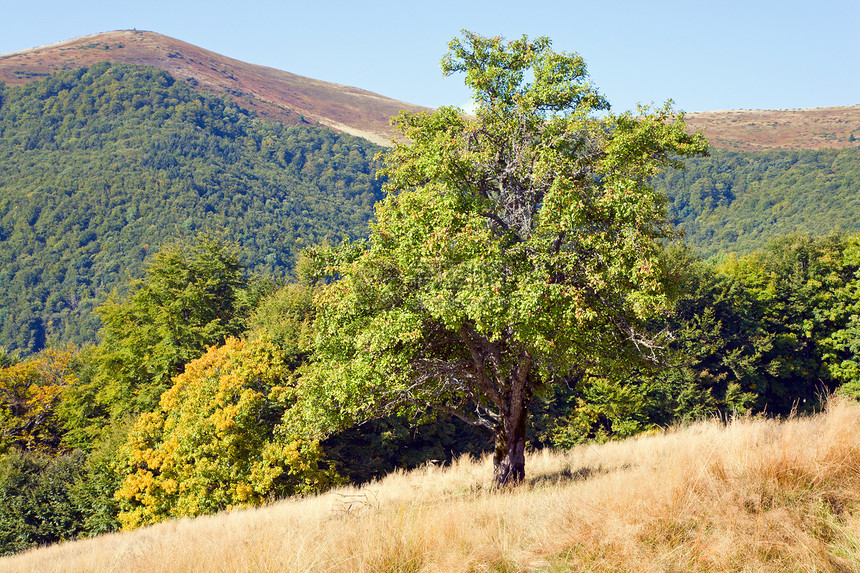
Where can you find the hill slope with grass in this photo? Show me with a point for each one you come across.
(753, 494)
(762, 130)
(271, 94)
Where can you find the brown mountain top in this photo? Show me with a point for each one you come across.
(272, 93)
(291, 98)
(759, 130)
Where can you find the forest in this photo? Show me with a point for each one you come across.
(170, 267)
(737, 201)
(103, 165)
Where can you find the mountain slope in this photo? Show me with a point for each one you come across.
(272, 94)
(100, 165)
(739, 201)
(762, 130)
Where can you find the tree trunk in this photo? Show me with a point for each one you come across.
(510, 461)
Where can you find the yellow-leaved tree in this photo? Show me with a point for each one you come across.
(29, 394)
(216, 440)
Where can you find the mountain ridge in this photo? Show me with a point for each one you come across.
(273, 94)
(833, 127)
(289, 98)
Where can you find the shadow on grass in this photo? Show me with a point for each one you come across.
(564, 476)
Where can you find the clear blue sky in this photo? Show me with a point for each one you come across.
(705, 55)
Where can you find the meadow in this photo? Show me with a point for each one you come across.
(749, 494)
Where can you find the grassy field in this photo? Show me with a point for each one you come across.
(751, 495)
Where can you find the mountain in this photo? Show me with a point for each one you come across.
(102, 162)
(762, 130)
(289, 98)
(272, 94)
(99, 166)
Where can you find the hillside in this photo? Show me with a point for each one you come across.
(270, 93)
(750, 495)
(762, 130)
(100, 166)
(739, 201)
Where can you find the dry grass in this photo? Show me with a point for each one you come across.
(753, 495)
(272, 94)
(759, 130)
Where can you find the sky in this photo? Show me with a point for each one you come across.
(705, 56)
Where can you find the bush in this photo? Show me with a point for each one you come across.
(37, 502)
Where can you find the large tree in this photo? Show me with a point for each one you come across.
(516, 248)
(193, 296)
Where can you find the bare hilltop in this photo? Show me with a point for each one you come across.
(272, 94)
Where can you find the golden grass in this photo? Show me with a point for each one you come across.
(753, 495)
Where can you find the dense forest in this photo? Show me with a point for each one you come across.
(738, 201)
(158, 307)
(100, 166)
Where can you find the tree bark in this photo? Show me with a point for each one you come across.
(510, 461)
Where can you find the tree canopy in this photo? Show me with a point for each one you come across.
(101, 166)
(514, 249)
(739, 201)
(194, 295)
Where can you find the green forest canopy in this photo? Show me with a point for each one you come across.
(100, 166)
(738, 201)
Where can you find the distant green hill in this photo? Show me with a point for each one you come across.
(99, 166)
(738, 201)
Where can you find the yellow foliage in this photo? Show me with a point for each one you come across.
(29, 394)
(214, 442)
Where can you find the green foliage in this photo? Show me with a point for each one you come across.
(47, 499)
(194, 295)
(80, 413)
(842, 347)
(283, 320)
(216, 441)
(8, 358)
(794, 281)
(189, 299)
(512, 250)
(738, 201)
(770, 332)
(100, 166)
(102, 475)
(37, 503)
